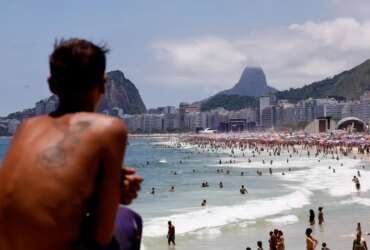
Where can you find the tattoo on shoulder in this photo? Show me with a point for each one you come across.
(56, 154)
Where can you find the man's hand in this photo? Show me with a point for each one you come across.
(130, 185)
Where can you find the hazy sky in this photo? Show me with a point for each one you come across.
(176, 50)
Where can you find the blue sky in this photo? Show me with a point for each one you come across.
(177, 51)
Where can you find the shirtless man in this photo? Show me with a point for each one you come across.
(171, 234)
(63, 171)
(311, 242)
(359, 243)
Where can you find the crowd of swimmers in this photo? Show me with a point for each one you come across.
(320, 216)
(249, 150)
(276, 239)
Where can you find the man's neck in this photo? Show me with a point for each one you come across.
(68, 108)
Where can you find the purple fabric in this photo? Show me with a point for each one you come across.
(128, 229)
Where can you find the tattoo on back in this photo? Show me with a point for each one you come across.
(56, 155)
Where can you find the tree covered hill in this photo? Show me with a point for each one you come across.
(350, 84)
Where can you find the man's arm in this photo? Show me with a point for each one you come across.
(108, 188)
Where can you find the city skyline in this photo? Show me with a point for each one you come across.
(203, 52)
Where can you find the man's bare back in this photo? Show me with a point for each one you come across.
(57, 170)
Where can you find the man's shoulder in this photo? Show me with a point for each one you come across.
(105, 130)
(102, 123)
(31, 123)
(99, 124)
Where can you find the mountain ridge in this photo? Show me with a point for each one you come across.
(252, 84)
(121, 93)
(121, 96)
(349, 84)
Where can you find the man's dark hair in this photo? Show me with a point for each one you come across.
(76, 65)
(259, 243)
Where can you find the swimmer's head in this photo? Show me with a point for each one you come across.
(77, 70)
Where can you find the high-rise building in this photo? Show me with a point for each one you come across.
(268, 117)
(40, 108)
(351, 108)
(365, 107)
(264, 102)
(329, 107)
(185, 108)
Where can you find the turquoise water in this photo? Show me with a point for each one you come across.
(234, 221)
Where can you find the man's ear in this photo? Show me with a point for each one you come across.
(51, 85)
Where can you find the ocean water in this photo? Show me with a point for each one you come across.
(234, 221)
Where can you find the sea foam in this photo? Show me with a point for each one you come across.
(357, 200)
(320, 177)
(284, 220)
(222, 215)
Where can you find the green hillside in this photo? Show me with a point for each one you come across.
(229, 102)
(350, 84)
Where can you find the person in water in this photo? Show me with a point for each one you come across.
(321, 216)
(259, 245)
(324, 246)
(358, 228)
(272, 241)
(311, 218)
(359, 243)
(64, 170)
(204, 203)
(280, 244)
(171, 234)
(243, 190)
(311, 242)
(357, 182)
(153, 191)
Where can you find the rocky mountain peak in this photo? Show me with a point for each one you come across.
(121, 96)
(252, 83)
